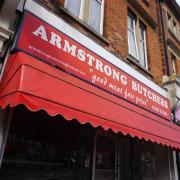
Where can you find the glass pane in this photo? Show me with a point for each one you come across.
(132, 43)
(130, 22)
(169, 22)
(95, 15)
(142, 54)
(105, 158)
(175, 28)
(142, 32)
(74, 6)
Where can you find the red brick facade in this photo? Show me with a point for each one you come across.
(173, 42)
(114, 37)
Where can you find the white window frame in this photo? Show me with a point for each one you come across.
(145, 45)
(169, 19)
(171, 28)
(137, 23)
(175, 27)
(135, 35)
(173, 59)
(102, 15)
(81, 13)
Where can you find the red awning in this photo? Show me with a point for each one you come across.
(40, 86)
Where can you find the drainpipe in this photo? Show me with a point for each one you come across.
(161, 2)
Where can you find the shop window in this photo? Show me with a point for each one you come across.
(137, 39)
(1, 3)
(90, 11)
(44, 147)
(143, 160)
(105, 158)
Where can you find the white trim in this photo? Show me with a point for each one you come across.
(81, 11)
(135, 38)
(102, 17)
(65, 4)
(175, 54)
(146, 66)
(144, 41)
(50, 18)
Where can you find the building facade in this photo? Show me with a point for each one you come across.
(80, 90)
(171, 24)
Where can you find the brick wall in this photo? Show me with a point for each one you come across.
(115, 31)
(150, 7)
(172, 41)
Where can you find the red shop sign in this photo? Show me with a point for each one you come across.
(43, 41)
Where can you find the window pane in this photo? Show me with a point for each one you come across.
(142, 45)
(173, 58)
(105, 158)
(175, 28)
(95, 14)
(132, 43)
(169, 21)
(74, 6)
(130, 22)
(142, 33)
(142, 54)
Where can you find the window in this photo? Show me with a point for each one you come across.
(90, 11)
(137, 39)
(174, 28)
(173, 58)
(142, 45)
(172, 25)
(132, 36)
(169, 22)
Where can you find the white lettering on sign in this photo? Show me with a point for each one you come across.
(63, 47)
(71, 49)
(147, 93)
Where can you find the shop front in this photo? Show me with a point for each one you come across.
(72, 110)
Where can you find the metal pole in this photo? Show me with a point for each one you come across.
(94, 157)
(6, 128)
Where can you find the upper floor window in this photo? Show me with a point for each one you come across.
(169, 21)
(90, 11)
(137, 39)
(173, 59)
(173, 26)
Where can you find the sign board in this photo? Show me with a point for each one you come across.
(52, 45)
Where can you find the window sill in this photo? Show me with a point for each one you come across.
(135, 62)
(71, 17)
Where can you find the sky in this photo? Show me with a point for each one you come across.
(178, 1)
